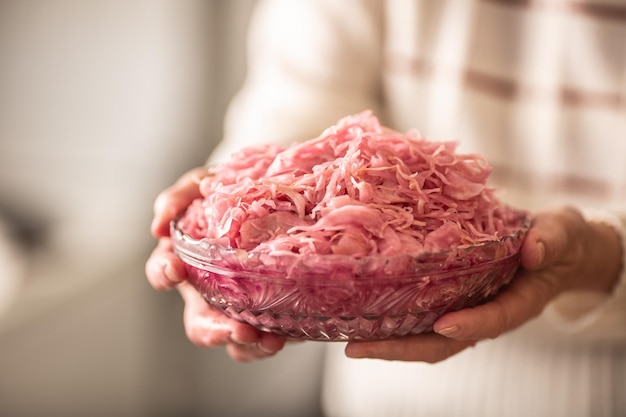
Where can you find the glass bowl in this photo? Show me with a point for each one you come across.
(341, 298)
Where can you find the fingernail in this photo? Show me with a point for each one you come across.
(169, 272)
(264, 349)
(235, 339)
(354, 351)
(448, 331)
(541, 252)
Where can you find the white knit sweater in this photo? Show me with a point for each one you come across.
(538, 88)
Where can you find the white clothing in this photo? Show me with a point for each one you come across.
(12, 268)
(539, 89)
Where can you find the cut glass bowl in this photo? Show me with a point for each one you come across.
(341, 298)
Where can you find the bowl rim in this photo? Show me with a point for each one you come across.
(207, 255)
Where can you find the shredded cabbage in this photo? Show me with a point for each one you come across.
(358, 189)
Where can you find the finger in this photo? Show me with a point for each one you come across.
(163, 268)
(175, 199)
(268, 345)
(524, 299)
(553, 241)
(208, 327)
(429, 348)
(245, 353)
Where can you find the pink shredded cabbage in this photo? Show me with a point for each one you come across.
(358, 189)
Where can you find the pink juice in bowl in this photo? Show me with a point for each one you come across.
(362, 233)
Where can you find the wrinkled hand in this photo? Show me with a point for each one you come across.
(204, 325)
(561, 252)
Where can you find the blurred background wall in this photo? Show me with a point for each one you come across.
(102, 105)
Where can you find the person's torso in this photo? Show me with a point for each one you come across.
(538, 88)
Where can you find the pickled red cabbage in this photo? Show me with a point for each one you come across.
(359, 189)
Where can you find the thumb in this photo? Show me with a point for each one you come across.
(175, 199)
(549, 238)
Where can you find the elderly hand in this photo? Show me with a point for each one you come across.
(204, 326)
(561, 252)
